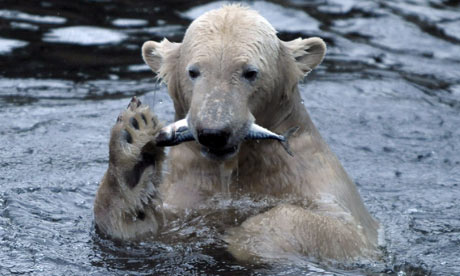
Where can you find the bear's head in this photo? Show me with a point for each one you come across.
(231, 70)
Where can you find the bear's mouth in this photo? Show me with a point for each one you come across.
(219, 154)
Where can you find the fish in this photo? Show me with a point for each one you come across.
(174, 134)
(257, 132)
(179, 132)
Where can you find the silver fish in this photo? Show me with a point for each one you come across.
(174, 134)
(179, 132)
(257, 132)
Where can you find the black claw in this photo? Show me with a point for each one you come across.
(135, 100)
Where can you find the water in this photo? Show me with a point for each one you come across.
(386, 98)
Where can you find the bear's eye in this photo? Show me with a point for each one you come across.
(250, 74)
(193, 73)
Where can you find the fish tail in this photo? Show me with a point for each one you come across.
(285, 141)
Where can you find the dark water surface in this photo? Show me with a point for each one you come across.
(386, 98)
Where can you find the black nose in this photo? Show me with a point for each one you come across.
(213, 138)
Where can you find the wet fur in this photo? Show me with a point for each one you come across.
(334, 226)
(128, 205)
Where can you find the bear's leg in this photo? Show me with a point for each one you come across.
(127, 204)
(288, 231)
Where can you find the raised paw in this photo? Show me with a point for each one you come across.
(132, 146)
(137, 124)
(128, 205)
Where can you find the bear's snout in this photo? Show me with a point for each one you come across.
(213, 138)
(218, 138)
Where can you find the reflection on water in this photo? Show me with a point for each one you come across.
(22, 16)
(129, 22)
(84, 35)
(8, 45)
(386, 98)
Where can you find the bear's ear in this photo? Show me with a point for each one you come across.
(308, 53)
(155, 54)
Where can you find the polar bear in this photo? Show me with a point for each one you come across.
(229, 72)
